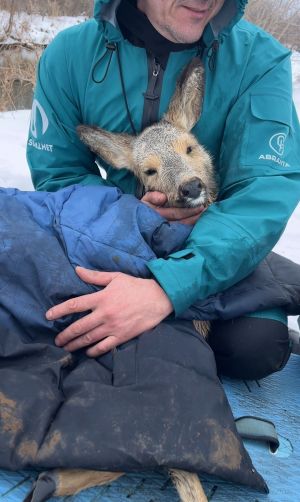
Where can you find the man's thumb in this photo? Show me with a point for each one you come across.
(155, 198)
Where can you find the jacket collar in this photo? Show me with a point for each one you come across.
(221, 24)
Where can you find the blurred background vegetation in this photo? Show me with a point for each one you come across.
(50, 7)
(18, 60)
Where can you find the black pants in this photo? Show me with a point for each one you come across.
(249, 348)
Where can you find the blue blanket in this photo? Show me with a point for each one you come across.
(99, 227)
(122, 410)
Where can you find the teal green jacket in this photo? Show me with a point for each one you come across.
(248, 124)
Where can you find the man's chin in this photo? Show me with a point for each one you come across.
(186, 36)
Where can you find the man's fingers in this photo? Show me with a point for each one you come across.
(190, 221)
(72, 306)
(186, 215)
(102, 347)
(89, 338)
(82, 330)
(193, 219)
(179, 213)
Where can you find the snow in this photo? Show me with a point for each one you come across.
(13, 138)
(14, 126)
(42, 28)
(296, 79)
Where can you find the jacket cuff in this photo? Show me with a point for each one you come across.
(171, 274)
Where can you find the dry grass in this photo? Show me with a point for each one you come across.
(50, 7)
(17, 78)
(18, 62)
(17, 65)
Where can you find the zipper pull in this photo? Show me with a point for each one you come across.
(212, 54)
(150, 94)
(156, 69)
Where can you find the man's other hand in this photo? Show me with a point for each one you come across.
(125, 308)
(187, 215)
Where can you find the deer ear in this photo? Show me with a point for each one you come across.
(114, 148)
(186, 104)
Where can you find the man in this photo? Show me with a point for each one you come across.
(119, 71)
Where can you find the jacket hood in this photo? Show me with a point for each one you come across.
(221, 24)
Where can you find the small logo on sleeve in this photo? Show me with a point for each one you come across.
(38, 110)
(39, 124)
(277, 142)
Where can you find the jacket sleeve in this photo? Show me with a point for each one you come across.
(56, 156)
(259, 189)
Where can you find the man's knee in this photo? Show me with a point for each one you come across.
(249, 347)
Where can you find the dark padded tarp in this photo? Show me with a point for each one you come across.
(275, 283)
(156, 401)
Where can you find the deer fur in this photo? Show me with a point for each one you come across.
(165, 157)
(69, 482)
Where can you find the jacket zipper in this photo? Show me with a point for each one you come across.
(153, 92)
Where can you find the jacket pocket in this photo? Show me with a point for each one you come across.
(269, 131)
(262, 108)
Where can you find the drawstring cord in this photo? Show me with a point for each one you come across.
(124, 91)
(110, 48)
(212, 54)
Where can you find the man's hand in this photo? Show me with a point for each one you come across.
(124, 309)
(187, 215)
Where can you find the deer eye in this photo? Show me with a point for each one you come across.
(189, 149)
(151, 172)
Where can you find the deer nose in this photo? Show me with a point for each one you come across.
(191, 189)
